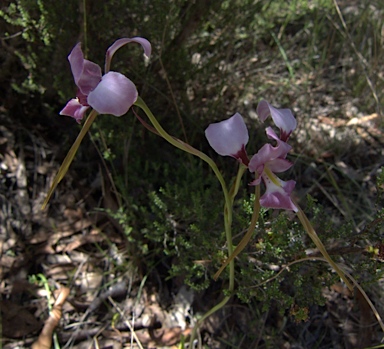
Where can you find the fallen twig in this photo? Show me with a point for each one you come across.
(45, 339)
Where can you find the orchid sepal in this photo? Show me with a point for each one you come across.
(146, 45)
(114, 95)
(283, 118)
(229, 138)
(273, 156)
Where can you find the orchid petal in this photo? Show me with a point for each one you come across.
(278, 196)
(256, 181)
(85, 73)
(121, 42)
(279, 165)
(271, 134)
(283, 118)
(267, 154)
(74, 109)
(115, 94)
(283, 147)
(229, 137)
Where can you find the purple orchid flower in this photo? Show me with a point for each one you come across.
(229, 138)
(111, 93)
(270, 160)
(265, 163)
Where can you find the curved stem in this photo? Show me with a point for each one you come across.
(316, 240)
(191, 150)
(184, 146)
(227, 197)
(206, 315)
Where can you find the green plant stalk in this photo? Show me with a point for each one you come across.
(228, 199)
(191, 150)
(236, 185)
(70, 156)
(206, 315)
(233, 192)
(244, 241)
(315, 238)
(184, 146)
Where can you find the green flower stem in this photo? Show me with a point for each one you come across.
(206, 315)
(315, 238)
(239, 248)
(70, 156)
(236, 185)
(228, 199)
(183, 146)
(244, 241)
(228, 214)
(191, 150)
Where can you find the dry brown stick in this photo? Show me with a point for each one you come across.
(87, 333)
(45, 339)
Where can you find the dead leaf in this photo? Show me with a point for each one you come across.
(45, 339)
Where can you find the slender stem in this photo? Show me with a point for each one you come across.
(206, 315)
(228, 222)
(244, 241)
(315, 238)
(191, 150)
(183, 146)
(70, 156)
(227, 197)
(236, 185)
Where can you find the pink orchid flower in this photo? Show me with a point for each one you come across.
(111, 93)
(265, 163)
(229, 138)
(270, 160)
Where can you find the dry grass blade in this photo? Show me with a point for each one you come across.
(360, 57)
(126, 321)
